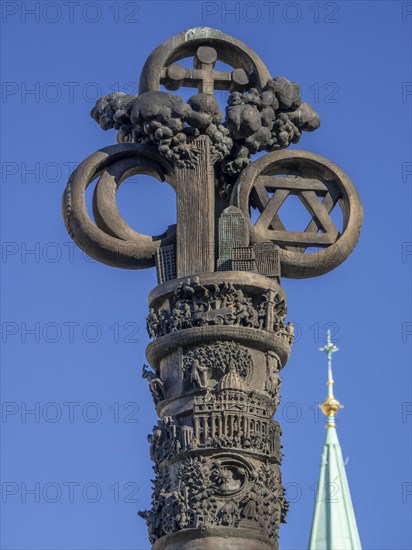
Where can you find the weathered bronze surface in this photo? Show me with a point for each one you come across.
(218, 317)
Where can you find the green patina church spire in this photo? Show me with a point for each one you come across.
(334, 523)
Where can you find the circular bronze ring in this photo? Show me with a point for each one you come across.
(294, 262)
(110, 240)
(185, 44)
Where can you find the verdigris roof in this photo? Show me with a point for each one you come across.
(334, 524)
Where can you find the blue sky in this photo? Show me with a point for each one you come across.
(76, 470)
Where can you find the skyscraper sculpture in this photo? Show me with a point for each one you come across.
(217, 317)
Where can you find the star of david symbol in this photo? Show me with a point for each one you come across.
(318, 197)
(320, 185)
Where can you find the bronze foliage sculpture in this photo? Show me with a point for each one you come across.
(217, 319)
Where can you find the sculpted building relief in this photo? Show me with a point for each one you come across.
(195, 305)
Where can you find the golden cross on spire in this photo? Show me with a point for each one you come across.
(330, 406)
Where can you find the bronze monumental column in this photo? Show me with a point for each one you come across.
(217, 316)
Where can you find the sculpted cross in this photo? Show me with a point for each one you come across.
(203, 76)
(217, 319)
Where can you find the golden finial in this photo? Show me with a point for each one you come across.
(331, 405)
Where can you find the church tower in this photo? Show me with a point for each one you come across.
(334, 523)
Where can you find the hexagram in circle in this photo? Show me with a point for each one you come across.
(320, 185)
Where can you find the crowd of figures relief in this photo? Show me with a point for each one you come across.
(195, 305)
(211, 492)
